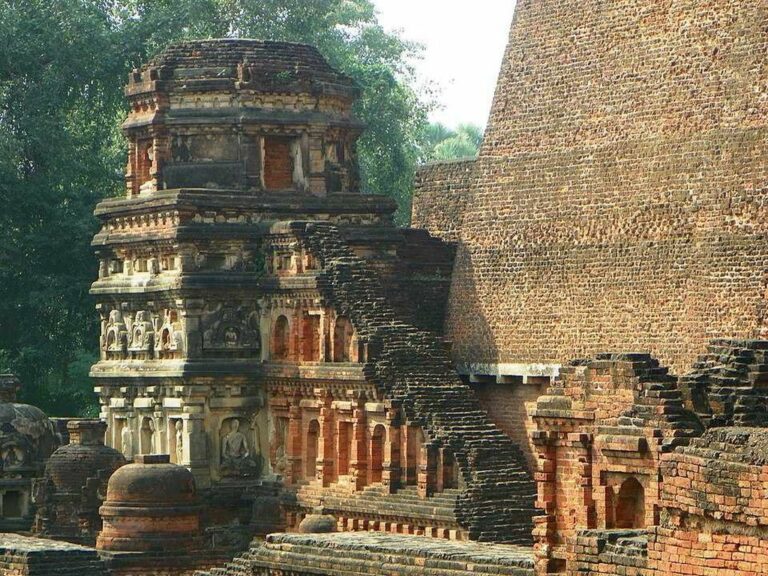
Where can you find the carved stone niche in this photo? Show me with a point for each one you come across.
(240, 454)
(231, 330)
(170, 342)
(115, 335)
(142, 334)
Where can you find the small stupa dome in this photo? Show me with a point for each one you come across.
(151, 506)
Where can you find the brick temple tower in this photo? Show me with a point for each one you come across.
(267, 325)
(225, 138)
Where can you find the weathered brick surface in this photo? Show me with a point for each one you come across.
(726, 385)
(377, 555)
(24, 556)
(618, 202)
(439, 197)
(601, 431)
(714, 494)
(609, 553)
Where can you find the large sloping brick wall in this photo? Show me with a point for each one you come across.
(440, 197)
(619, 201)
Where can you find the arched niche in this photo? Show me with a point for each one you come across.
(313, 447)
(378, 439)
(342, 340)
(630, 505)
(281, 338)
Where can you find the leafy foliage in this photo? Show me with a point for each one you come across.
(62, 69)
(442, 143)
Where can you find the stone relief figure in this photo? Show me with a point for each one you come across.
(170, 341)
(279, 435)
(12, 456)
(179, 427)
(236, 458)
(143, 333)
(126, 438)
(333, 169)
(152, 437)
(148, 445)
(298, 165)
(229, 328)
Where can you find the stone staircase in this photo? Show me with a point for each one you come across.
(411, 366)
(659, 403)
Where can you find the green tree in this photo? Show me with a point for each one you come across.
(442, 143)
(59, 96)
(63, 64)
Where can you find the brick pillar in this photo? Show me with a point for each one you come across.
(162, 155)
(294, 453)
(545, 526)
(323, 336)
(191, 315)
(130, 169)
(427, 473)
(581, 445)
(410, 451)
(316, 174)
(294, 341)
(358, 465)
(326, 455)
(391, 474)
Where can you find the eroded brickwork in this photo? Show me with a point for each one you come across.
(715, 497)
(640, 488)
(618, 202)
(412, 367)
(601, 431)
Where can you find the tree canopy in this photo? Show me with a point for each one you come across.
(63, 64)
(442, 143)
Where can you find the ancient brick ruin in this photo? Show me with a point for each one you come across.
(558, 370)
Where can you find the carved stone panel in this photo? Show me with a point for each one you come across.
(231, 330)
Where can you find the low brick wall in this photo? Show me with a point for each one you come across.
(715, 495)
(356, 553)
(608, 553)
(507, 406)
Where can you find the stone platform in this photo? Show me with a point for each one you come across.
(375, 554)
(38, 557)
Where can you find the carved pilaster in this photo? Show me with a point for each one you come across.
(359, 462)
(326, 454)
(391, 473)
(294, 443)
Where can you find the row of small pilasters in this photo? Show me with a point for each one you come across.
(353, 443)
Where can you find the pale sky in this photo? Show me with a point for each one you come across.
(464, 44)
